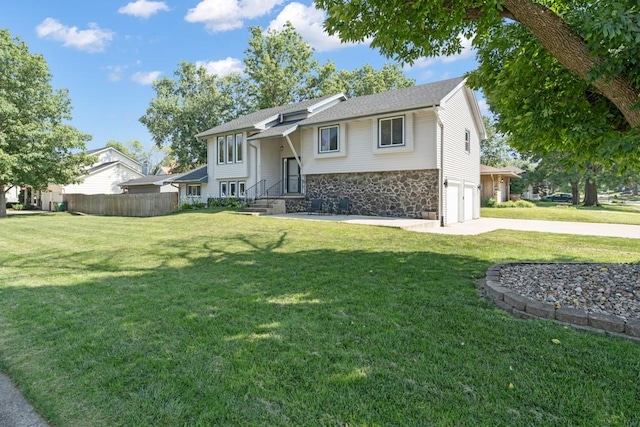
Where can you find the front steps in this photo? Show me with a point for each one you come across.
(260, 207)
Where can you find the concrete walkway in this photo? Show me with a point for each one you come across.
(15, 411)
(479, 226)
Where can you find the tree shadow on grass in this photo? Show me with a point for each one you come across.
(242, 331)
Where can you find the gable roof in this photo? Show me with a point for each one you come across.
(405, 99)
(150, 180)
(96, 151)
(102, 166)
(259, 119)
(509, 171)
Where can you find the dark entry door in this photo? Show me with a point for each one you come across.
(291, 175)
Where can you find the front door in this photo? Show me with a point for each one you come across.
(292, 177)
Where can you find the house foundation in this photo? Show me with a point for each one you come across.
(392, 193)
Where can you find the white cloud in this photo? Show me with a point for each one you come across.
(226, 15)
(308, 21)
(94, 39)
(223, 67)
(143, 8)
(146, 78)
(115, 72)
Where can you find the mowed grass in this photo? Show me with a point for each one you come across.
(547, 211)
(202, 319)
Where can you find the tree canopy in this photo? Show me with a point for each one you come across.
(592, 50)
(37, 146)
(279, 70)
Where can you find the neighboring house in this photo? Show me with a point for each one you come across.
(150, 184)
(398, 153)
(103, 177)
(496, 181)
(12, 194)
(191, 185)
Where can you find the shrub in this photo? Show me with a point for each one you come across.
(187, 206)
(17, 206)
(518, 204)
(489, 202)
(524, 204)
(231, 203)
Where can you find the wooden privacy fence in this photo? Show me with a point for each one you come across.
(149, 204)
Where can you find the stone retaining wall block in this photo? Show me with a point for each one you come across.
(576, 316)
(537, 308)
(606, 322)
(633, 328)
(516, 300)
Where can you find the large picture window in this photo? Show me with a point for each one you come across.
(328, 139)
(391, 132)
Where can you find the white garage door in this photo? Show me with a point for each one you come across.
(452, 203)
(468, 203)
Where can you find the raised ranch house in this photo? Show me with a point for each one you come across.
(402, 153)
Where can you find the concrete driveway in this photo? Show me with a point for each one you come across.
(479, 226)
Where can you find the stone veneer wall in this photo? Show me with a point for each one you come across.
(392, 194)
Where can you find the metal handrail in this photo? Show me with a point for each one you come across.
(275, 190)
(254, 192)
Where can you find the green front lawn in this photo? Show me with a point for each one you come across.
(606, 213)
(202, 319)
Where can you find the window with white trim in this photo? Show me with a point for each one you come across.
(391, 132)
(230, 150)
(328, 139)
(239, 153)
(193, 190)
(221, 150)
(467, 141)
(232, 189)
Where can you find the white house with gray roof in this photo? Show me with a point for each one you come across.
(398, 153)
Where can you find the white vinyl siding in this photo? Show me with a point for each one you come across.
(105, 181)
(218, 151)
(361, 152)
(460, 165)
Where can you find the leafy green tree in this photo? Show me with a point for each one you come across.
(546, 108)
(366, 81)
(280, 67)
(36, 145)
(188, 104)
(495, 149)
(597, 42)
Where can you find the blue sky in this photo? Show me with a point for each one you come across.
(107, 53)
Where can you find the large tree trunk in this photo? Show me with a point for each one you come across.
(3, 201)
(571, 51)
(590, 192)
(575, 193)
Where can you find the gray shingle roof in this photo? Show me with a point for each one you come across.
(250, 120)
(276, 131)
(392, 101)
(198, 175)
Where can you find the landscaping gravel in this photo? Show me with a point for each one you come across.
(595, 288)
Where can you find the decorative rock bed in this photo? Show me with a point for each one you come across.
(589, 296)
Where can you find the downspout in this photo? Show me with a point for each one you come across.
(441, 173)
